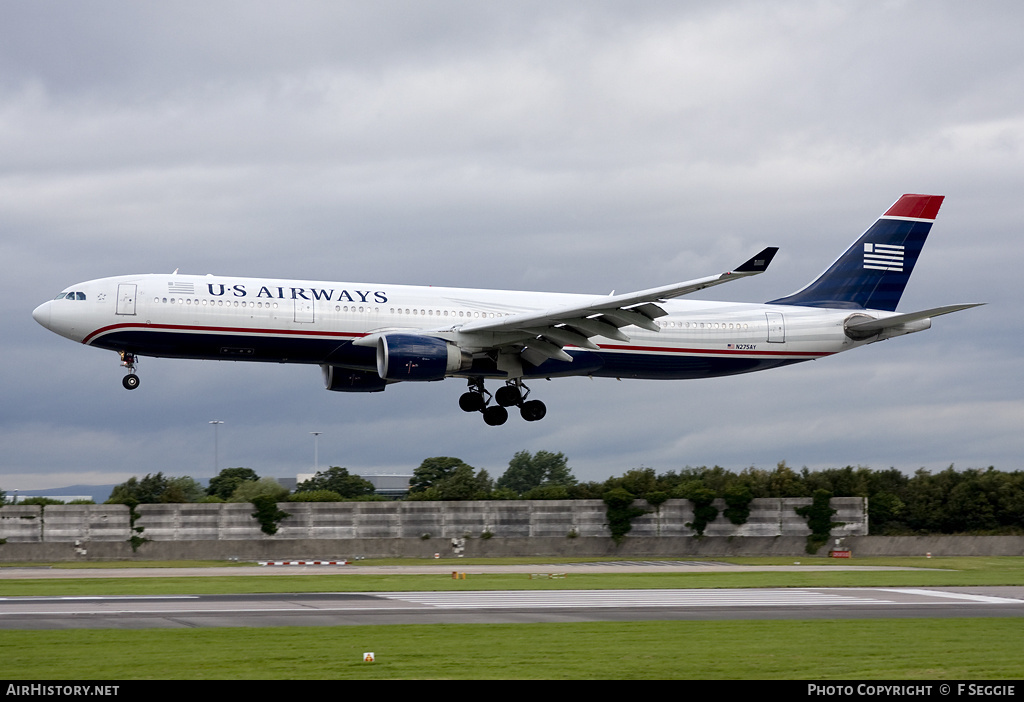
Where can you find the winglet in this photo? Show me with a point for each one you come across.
(758, 263)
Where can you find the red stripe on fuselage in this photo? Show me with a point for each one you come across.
(222, 330)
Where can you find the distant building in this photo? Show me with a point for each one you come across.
(389, 484)
(289, 483)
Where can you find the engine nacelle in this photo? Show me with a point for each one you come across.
(341, 379)
(417, 357)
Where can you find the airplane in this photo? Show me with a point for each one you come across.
(366, 337)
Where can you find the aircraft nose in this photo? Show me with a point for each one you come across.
(42, 313)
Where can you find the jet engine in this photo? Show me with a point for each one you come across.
(342, 379)
(416, 357)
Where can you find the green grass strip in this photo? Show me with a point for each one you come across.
(353, 582)
(914, 649)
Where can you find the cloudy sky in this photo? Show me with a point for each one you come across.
(570, 146)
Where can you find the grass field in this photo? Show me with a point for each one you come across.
(909, 649)
(916, 649)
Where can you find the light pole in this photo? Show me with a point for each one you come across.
(316, 450)
(216, 449)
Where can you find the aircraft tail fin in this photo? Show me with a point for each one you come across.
(874, 271)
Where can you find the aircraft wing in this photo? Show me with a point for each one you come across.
(543, 334)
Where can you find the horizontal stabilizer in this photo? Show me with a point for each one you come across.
(875, 325)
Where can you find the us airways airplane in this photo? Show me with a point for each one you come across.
(365, 337)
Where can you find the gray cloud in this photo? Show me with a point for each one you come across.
(581, 147)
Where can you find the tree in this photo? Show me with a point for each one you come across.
(703, 511)
(337, 480)
(432, 470)
(638, 481)
(542, 469)
(315, 496)
(463, 482)
(155, 489)
(819, 519)
(183, 489)
(785, 482)
(152, 489)
(43, 501)
(737, 499)
(548, 492)
(224, 484)
(621, 512)
(267, 513)
(264, 487)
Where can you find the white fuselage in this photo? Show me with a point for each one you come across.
(215, 317)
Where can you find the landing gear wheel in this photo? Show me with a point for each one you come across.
(508, 396)
(130, 381)
(472, 402)
(512, 394)
(533, 410)
(495, 416)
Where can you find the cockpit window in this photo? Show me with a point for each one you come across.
(71, 296)
(80, 296)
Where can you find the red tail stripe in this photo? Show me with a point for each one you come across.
(916, 207)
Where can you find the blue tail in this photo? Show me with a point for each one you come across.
(873, 273)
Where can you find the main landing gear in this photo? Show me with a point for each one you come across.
(130, 381)
(512, 394)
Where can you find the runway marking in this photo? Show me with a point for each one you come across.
(365, 603)
(633, 598)
(989, 599)
(77, 598)
(626, 564)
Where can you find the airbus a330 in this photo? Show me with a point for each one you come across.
(366, 337)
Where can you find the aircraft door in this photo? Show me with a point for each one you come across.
(126, 298)
(304, 311)
(776, 328)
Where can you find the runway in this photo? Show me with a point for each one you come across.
(505, 606)
(381, 608)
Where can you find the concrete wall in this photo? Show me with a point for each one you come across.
(936, 545)
(509, 519)
(538, 547)
(64, 523)
(400, 529)
(421, 529)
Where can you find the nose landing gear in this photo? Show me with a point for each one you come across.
(130, 381)
(512, 394)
